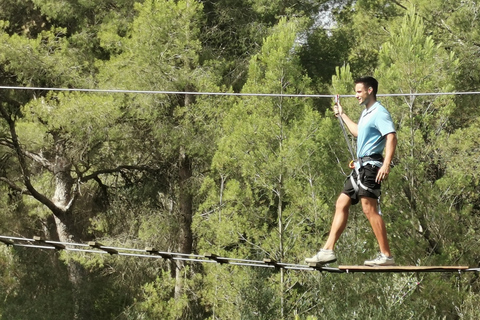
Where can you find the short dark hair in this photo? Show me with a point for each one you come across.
(369, 82)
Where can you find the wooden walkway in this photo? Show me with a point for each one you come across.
(349, 269)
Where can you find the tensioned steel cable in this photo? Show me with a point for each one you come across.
(96, 248)
(232, 93)
(93, 247)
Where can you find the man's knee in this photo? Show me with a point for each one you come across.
(369, 206)
(343, 202)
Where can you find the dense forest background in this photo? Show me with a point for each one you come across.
(246, 176)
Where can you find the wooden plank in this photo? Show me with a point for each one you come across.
(323, 267)
(215, 257)
(164, 255)
(403, 268)
(8, 242)
(100, 246)
(41, 240)
(272, 262)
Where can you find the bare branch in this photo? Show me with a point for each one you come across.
(118, 169)
(33, 156)
(24, 167)
(13, 186)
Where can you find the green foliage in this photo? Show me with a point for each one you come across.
(322, 55)
(81, 14)
(367, 23)
(45, 60)
(264, 141)
(159, 301)
(29, 285)
(163, 37)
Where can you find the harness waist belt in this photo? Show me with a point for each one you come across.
(373, 157)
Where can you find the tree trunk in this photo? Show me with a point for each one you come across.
(185, 199)
(185, 218)
(64, 225)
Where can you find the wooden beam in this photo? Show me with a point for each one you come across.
(100, 246)
(164, 255)
(215, 257)
(403, 268)
(42, 241)
(8, 242)
(272, 262)
(322, 267)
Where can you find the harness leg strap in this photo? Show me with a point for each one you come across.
(358, 183)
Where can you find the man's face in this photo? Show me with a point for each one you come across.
(362, 93)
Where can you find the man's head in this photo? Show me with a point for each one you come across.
(366, 90)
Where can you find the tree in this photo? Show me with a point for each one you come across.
(234, 30)
(50, 61)
(178, 132)
(268, 176)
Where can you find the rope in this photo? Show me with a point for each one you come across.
(345, 134)
(233, 93)
(350, 149)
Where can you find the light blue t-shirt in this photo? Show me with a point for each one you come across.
(374, 124)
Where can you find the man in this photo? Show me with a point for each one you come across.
(375, 134)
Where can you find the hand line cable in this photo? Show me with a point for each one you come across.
(231, 93)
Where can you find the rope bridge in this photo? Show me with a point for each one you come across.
(151, 253)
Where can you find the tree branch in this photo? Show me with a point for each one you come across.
(33, 156)
(15, 145)
(118, 169)
(442, 26)
(13, 186)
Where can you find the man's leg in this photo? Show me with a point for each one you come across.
(326, 255)
(369, 206)
(339, 222)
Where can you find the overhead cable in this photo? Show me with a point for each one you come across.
(232, 93)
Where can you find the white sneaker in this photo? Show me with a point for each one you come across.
(323, 256)
(381, 260)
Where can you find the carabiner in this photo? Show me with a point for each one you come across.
(351, 165)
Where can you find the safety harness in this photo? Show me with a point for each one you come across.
(359, 163)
